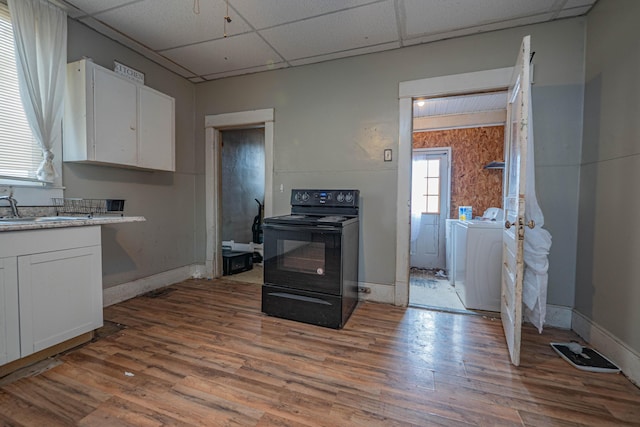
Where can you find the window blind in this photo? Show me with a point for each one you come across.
(20, 155)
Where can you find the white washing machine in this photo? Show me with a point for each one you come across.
(477, 261)
(449, 248)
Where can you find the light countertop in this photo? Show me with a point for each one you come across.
(59, 222)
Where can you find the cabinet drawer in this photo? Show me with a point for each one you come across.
(15, 243)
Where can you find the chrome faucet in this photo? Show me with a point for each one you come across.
(13, 204)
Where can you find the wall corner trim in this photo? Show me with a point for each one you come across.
(627, 359)
(558, 316)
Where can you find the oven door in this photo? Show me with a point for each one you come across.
(303, 257)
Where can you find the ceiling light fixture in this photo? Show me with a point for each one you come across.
(420, 103)
(227, 19)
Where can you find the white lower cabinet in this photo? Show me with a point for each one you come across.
(9, 320)
(52, 288)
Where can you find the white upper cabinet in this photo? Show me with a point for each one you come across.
(112, 120)
(153, 110)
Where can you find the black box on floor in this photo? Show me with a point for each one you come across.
(234, 262)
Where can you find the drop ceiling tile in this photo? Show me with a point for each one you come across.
(93, 6)
(345, 54)
(70, 10)
(164, 24)
(441, 16)
(578, 3)
(268, 13)
(337, 32)
(132, 44)
(217, 56)
(576, 11)
(246, 71)
(480, 29)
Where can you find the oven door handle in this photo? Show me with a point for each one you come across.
(314, 229)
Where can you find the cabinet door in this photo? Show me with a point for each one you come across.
(60, 296)
(157, 130)
(9, 320)
(115, 119)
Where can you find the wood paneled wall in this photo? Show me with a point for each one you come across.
(471, 150)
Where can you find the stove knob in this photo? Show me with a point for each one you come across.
(340, 197)
(349, 197)
(298, 197)
(305, 197)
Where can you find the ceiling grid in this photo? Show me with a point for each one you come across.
(270, 34)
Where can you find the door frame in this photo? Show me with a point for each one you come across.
(447, 193)
(214, 124)
(431, 87)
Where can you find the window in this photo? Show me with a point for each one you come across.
(20, 155)
(426, 184)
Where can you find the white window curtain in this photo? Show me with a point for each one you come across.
(40, 32)
(419, 160)
(537, 243)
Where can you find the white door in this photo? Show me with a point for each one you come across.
(516, 135)
(429, 207)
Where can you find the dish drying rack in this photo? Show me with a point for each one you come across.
(88, 207)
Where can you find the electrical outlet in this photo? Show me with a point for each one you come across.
(387, 155)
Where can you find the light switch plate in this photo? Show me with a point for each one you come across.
(387, 155)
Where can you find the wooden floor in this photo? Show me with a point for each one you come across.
(203, 354)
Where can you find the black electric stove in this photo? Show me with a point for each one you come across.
(311, 258)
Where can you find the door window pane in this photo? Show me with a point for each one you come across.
(425, 188)
(432, 204)
(433, 168)
(432, 186)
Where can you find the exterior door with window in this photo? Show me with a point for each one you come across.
(429, 204)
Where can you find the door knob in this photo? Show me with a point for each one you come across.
(531, 223)
(507, 224)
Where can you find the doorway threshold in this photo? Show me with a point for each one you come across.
(488, 314)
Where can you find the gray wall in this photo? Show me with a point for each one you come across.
(334, 119)
(167, 200)
(242, 182)
(608, 273)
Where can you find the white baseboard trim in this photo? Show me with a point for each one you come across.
(558, 316)
(125, 291)
(627, 359)
(379, 292)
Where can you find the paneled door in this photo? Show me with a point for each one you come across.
(516, 139)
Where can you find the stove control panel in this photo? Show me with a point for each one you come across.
(348, 198)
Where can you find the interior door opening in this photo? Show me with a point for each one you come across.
(453, 139)
(242, 168)
(430, 200)
(214, 126)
